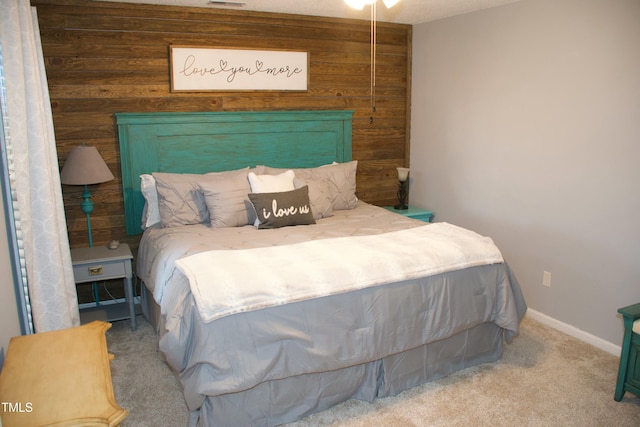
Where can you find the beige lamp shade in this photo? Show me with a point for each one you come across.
(403, 174)
(85, 166)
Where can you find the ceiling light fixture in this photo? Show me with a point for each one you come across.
(360, 4)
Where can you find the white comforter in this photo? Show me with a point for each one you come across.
(225, 282)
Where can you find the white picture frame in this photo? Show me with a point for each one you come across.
(201, 69)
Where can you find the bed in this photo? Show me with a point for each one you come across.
(274, 291)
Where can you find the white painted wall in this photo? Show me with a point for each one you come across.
(526, 128)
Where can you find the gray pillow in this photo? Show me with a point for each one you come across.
(275, 210)
(227, 201)
(319, 196)
(340, 176)
(180, 201)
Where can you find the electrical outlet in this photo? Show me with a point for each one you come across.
(546, 279)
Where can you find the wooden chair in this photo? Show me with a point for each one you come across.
(629, 369)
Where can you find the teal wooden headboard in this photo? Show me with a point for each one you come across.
(216, 141)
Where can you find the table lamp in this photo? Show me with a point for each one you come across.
(403, 178)
(85, 166)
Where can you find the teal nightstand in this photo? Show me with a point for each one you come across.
(413, 212)
(629, 368)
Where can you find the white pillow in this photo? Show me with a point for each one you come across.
(151, 212)
(272, 183)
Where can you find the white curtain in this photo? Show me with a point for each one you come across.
(29, 125)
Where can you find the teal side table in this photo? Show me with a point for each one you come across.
(413, 212)
(629, 368)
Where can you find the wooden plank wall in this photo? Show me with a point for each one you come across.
(102, 58)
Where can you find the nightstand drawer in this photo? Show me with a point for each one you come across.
(91, 272)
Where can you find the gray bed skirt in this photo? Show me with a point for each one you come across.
(281, 401)
(286, 400)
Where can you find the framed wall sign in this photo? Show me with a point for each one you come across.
(198, 69)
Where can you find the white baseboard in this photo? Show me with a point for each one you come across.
(575, 332)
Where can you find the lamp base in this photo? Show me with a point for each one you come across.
(87, 208)
(403, 192)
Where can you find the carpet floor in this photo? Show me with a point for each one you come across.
(545, 378)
